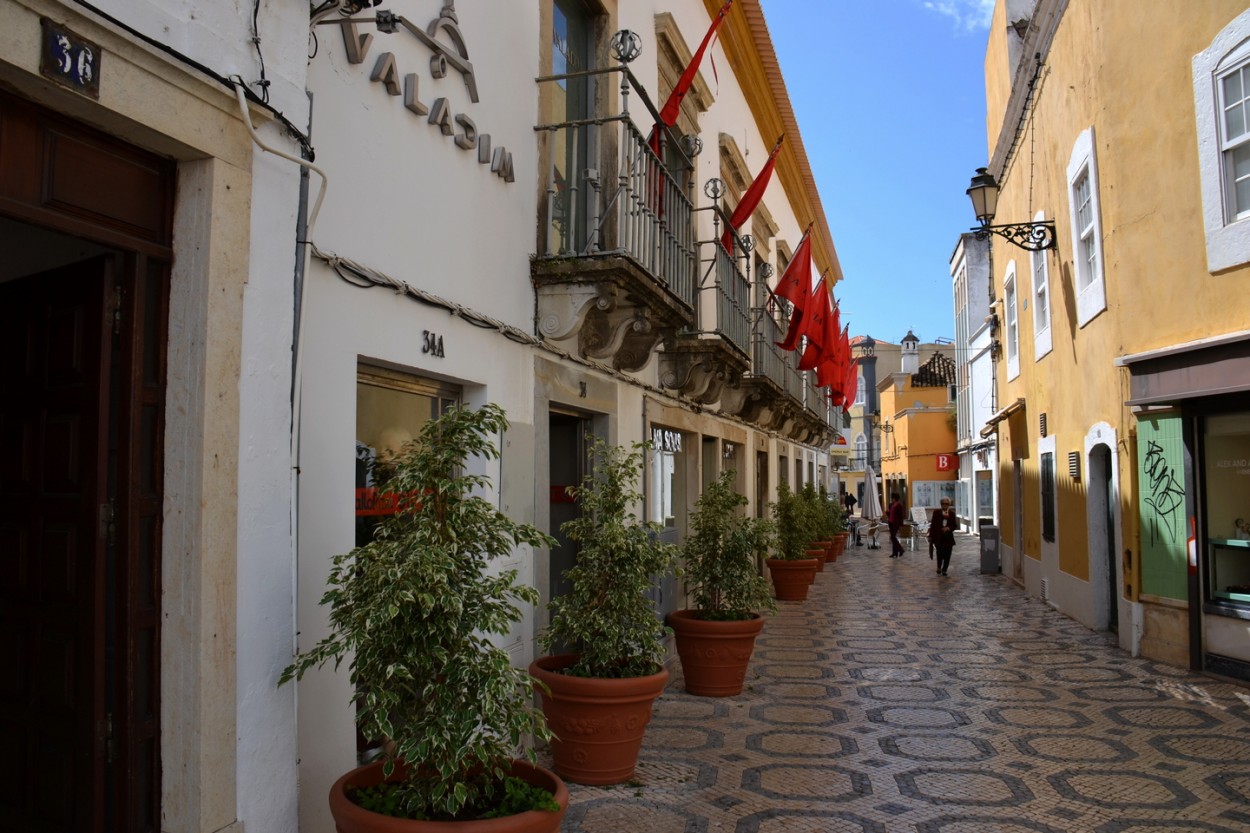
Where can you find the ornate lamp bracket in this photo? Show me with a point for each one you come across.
(1035, 237)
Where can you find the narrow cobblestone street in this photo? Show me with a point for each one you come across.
(896, 700)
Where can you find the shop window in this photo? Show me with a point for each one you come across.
(667, 489)
(391, 409)
(1226, 452)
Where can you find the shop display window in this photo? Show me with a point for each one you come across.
(1226, 453)
(391, 409)
(667, 492)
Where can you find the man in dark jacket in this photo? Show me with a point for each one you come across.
(895, 517)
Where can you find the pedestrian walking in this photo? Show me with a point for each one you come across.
(894, 518)
(849, 501)
(942, 534)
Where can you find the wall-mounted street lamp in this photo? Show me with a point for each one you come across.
(983, 192)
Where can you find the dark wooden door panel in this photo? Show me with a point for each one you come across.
(52, 397)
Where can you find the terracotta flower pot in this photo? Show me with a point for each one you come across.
(350, 817)
(791, 578)
(598, 723)
(818, 553)
(714, 654)
(839, 544)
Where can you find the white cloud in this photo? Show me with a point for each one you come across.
(968, 15)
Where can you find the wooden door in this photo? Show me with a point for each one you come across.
(82, 389)
(54, 351)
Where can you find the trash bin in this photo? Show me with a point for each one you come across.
(989, 549)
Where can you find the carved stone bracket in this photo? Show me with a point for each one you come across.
(562, 308)
(637, 349)
(739, 399)
(690, 374)
(606, 330)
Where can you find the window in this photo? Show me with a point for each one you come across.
(1041, 299)
(667, 493)
(391, 409)
(1226, 449)
(861, 394)
(1235, 140)
(1091, 295)
(861, 451)
(1048, 496)
(1221, 75)
(1011, 322)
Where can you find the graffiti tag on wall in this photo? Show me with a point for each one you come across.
(1164, 495)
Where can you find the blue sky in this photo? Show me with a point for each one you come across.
(890, 99)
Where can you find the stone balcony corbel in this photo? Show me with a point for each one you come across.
(563, 307)
(698, 369)
(615, 309)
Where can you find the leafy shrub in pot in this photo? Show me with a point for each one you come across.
(411, 612)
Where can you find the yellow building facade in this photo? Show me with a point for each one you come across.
(1123, 355)
(918, 458)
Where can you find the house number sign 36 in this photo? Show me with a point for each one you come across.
(432, 343)
(69, 59)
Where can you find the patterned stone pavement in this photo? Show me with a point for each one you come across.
(896, 700)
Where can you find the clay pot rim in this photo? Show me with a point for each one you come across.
(688, 621)
(547, 670)
(345, 811)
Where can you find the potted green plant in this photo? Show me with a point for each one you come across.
(715, 639)
(792, 570)
(822, 534)
(835, 524)
(411, 613)
(597, 694)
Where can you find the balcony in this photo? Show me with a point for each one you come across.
(616, 262)
(775, 394)
(700, 363)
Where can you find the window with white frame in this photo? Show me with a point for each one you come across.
(1041, 299)
(1091, 293)
(1235, 138)
(861, 451)
(861, 395)
(1221, 75)
(1011, 322)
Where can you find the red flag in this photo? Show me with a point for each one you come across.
(755, 193)
(796, 287)
(851, 387)
(830, 369)
(817, 329)
(672, 107)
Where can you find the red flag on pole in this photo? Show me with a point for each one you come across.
(796, 287)
(755, 193)
(672, 107)
(851, 387)
(819, 338)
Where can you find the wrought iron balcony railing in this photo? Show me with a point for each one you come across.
(733, 297)
(766, 358)
(640, 209)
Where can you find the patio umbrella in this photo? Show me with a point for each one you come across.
(870, 509)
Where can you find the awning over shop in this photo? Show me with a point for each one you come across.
(1206, 367)
(991, 424)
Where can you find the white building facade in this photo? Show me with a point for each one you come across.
(976, 345)
(147, 304)
(490, 237)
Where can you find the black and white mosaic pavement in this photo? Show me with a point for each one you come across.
(897, 700)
